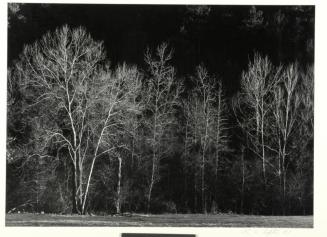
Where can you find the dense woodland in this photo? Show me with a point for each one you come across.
(209, 110)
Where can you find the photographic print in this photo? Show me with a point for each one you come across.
(160, 115)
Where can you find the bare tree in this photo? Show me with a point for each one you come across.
(274, 103)
(219, 132)
(241, 120)
(124, 123)
(76, 97)
(206, 124)
(162, 98)
(133, 116)
(257, 85)
(189, 165)
(287, 102)
(109, 113)
(306, 115)
(201, 116)
(191, 161)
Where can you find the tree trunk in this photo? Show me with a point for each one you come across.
(263, 145)
(118, 201)
(133, 150)
(204, 148)
(202, 185)
(186, 155)
(217, 147)
(78, 181)
(151, 182)
(80, 186)
(243, 180)
(284, 184)
(74, 201)
(195, 200)
(149, 197)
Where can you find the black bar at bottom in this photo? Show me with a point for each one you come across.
(154, 235)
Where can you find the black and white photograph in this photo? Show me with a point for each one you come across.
(160, 115)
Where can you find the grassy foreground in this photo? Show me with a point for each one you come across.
(165, 220)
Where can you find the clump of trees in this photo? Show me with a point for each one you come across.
(84, 136)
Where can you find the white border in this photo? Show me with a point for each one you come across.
(320, 146)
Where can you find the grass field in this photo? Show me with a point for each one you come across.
(171, 220)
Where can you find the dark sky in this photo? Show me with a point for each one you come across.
(223, 38)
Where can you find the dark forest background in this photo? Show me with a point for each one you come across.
(225, 40)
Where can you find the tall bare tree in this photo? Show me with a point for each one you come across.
(162, 98)
(220, 134)
(189, 165)
(257, 84)
(305, 130)
(201, 117)
(126, 123)
(287, 102)
(77, 99)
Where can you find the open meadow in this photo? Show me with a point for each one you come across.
(165, 220)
